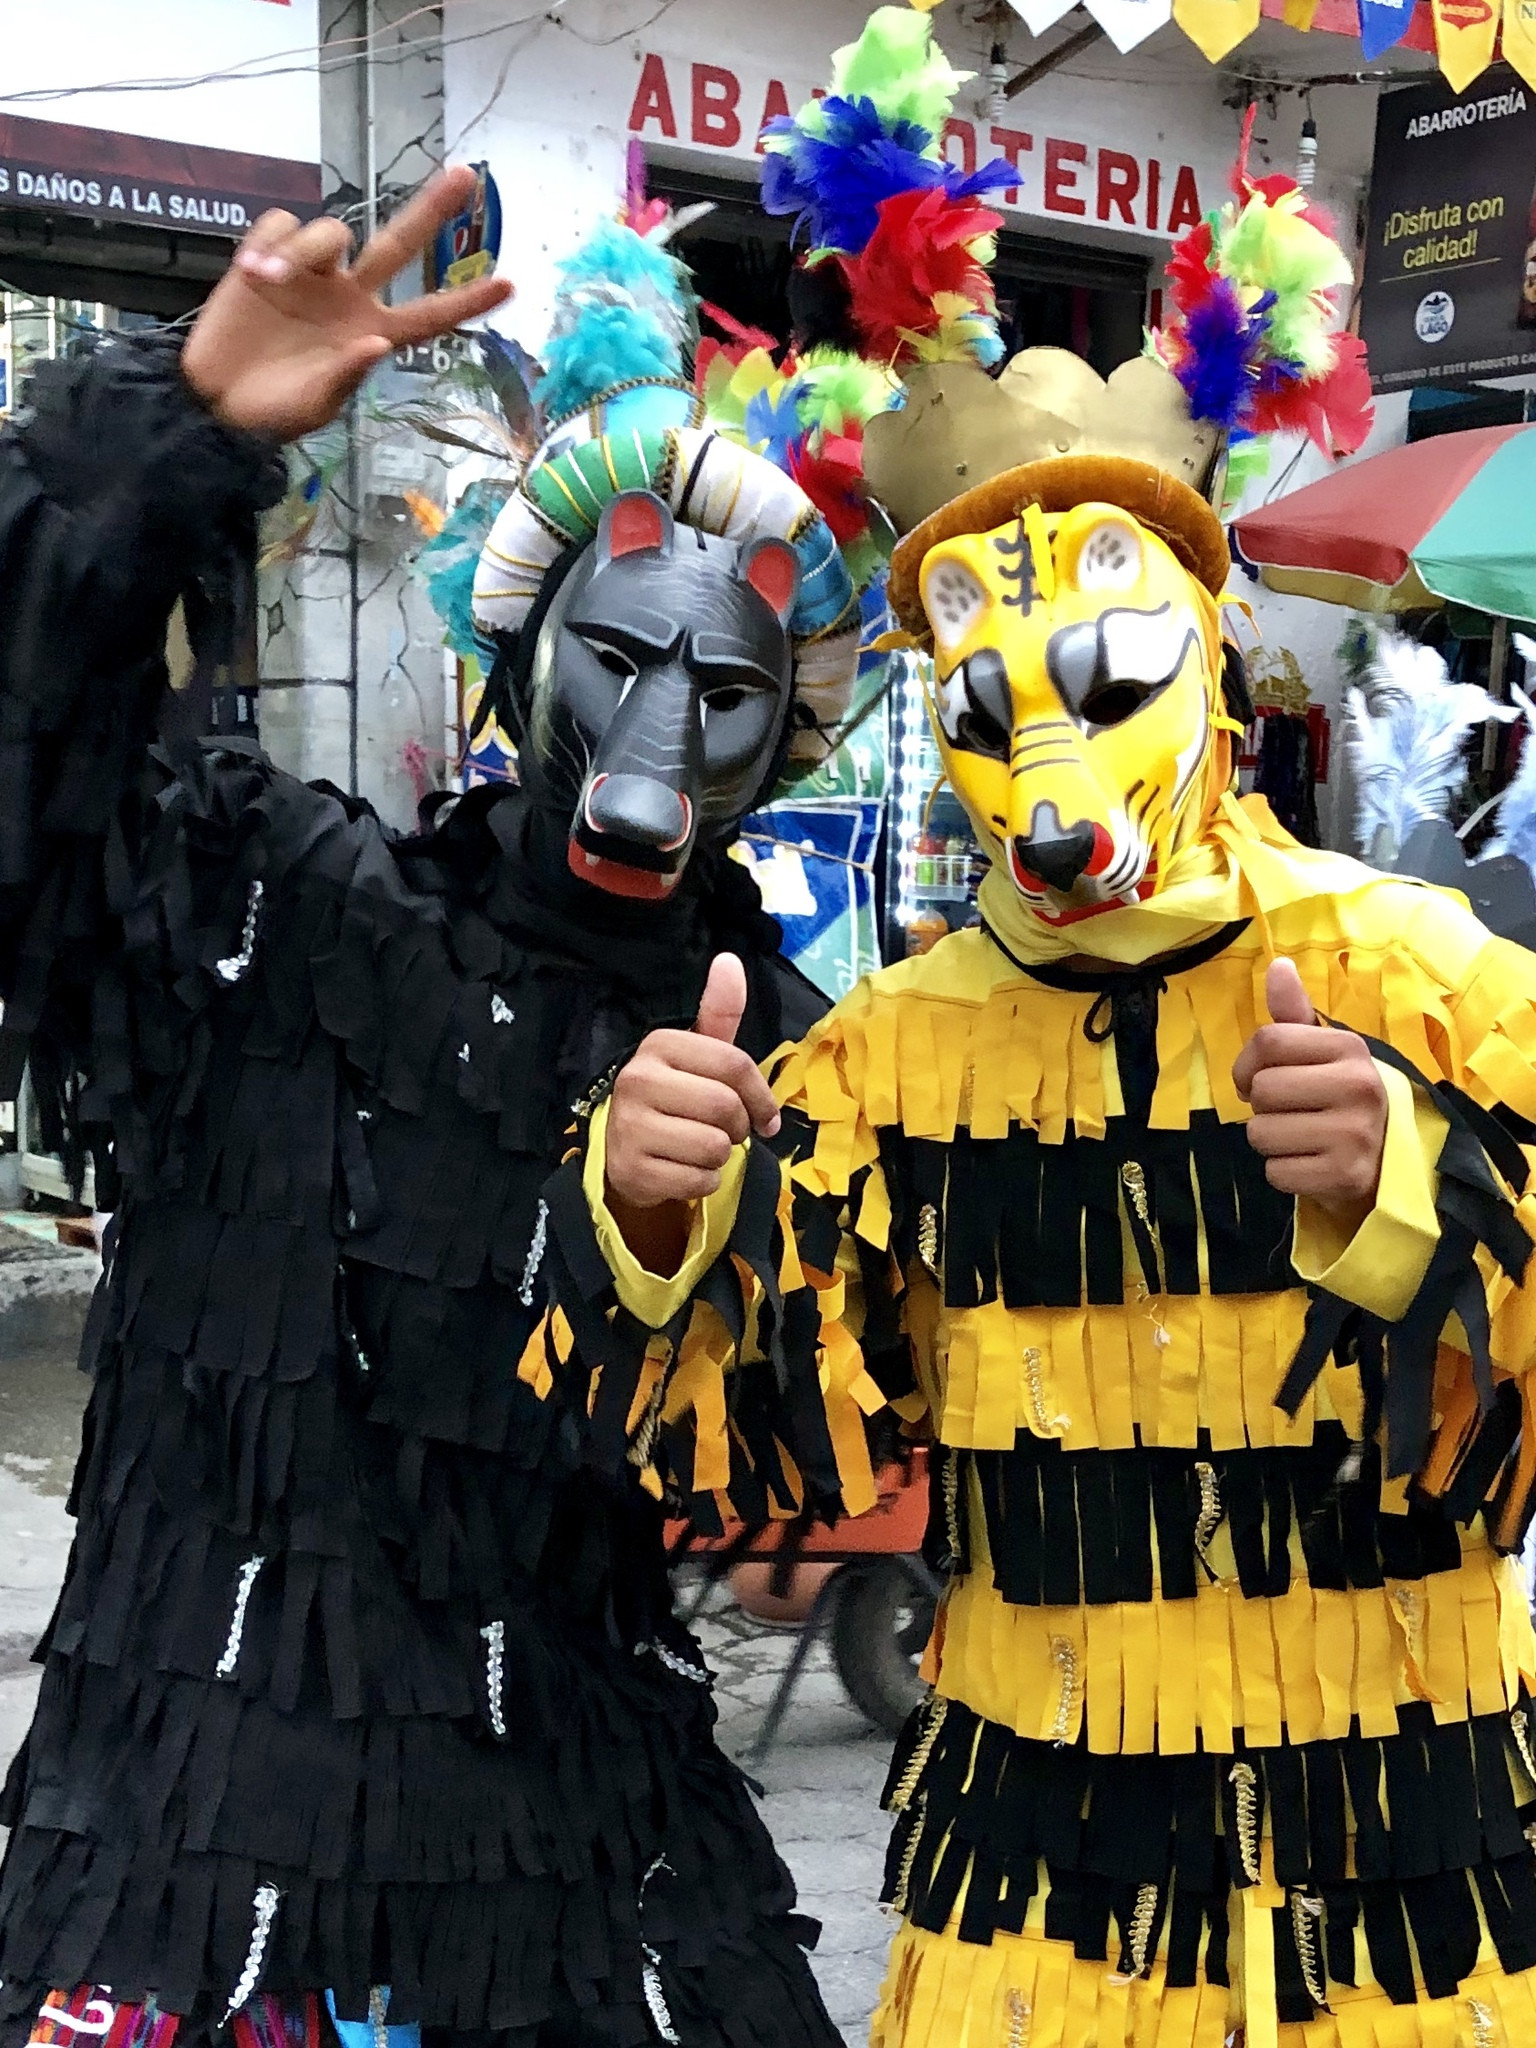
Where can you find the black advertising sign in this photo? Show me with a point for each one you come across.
(1450, 255)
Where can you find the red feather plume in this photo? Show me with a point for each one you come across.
(918, 252)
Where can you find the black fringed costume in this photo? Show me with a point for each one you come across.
(348, 1618)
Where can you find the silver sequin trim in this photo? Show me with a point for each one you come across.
(535, 1257)
(238, 964)
(655, 1995)
(495, 1637)
(678, 1665)
(225, 1668)
(264, 1906)
(501, 1011)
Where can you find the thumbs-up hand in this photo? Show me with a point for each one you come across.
(685, 1100)
(1320, 1106)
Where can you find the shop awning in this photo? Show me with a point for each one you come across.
(1443, 520)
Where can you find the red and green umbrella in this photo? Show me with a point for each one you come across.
(1448, 520)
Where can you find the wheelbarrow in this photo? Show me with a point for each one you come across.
(861, 1586)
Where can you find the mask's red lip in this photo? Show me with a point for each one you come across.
(1056, 919)
(641, 885)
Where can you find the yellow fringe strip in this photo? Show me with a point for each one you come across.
(1027, 1991)
(1162, 1675)
(1024, 1991)
(1095, 1376)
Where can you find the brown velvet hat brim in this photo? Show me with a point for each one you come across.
(1170, 509)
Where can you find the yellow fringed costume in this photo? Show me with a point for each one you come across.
(1231, 1734)
(1232, 1684)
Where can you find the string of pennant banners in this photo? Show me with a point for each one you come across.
(1466, 35)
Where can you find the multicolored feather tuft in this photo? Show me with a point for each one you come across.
(893, 231)
(1254, 335)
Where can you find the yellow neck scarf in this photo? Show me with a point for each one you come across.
(1245, 864)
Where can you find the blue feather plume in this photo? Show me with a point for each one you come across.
(835, 182)
(625, 309)
(446, 565)
(1221, 339)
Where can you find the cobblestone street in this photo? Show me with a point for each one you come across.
(822, 1786)
(821, 1782)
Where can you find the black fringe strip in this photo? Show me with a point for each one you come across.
(1397, 1361)
(1039, 1225)
(776, 1417)
(1069, 1526)
(1404, 1832)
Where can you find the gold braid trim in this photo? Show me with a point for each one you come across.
(1211, 1511)
(1064, 1652)
(934, 1709)
(952, 1503)
(644, 1445)
(1141, 1928)
(928, 1239)
(1020, 2016)
(1306, 1912)
(909, 1858)
(1034, 1373)
(1245, 1781)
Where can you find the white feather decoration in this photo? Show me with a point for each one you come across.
(1517, 806)
(1407, 738)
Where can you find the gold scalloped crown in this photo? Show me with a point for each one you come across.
(967, 452)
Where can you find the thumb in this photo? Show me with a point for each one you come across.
(1288, 1001)
(724, 999)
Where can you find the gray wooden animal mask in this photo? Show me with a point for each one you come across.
(661, 686)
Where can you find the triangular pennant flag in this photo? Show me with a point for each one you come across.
(1216, 26)
(1299, 13)
(1129, 22)
(1039, 15)
(1520, 37)
(1465, 34)
(1383, 24)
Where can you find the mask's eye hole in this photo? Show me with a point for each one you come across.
(976, 706)
(953, 600)
(1110, 558)
(726, 698)
(1113, 703)
(617, 664)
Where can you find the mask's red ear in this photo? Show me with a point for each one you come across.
(773, 570)
(634, 523)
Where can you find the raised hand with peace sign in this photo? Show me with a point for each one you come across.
(293, 328)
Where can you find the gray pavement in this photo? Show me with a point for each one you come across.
(821, 1782)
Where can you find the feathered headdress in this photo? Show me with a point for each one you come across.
(896, 240)
(1253, 336)
(622, 412)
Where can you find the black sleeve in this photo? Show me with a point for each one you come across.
(120, 494)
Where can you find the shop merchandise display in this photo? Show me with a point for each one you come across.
(364, 1707)
(1230, 1732)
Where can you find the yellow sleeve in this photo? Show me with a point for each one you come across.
(1380, 1266)
(653, 1297)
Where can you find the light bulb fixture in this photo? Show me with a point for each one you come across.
(997, 81)
(1306, 152)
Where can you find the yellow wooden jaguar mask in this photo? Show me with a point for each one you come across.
(1078, 701)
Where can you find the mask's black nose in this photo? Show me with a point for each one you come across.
(1054, 853)
(640, 809)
